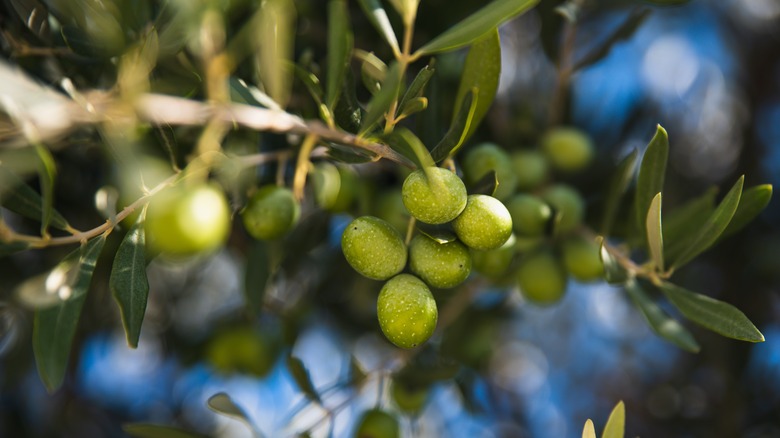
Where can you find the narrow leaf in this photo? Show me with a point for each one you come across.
(486, 185)
(35, 15)
(614, 273)
(348, 112)
(302, 378)
(221, 403)
(11, 248)
(720, 317)
(54, 327)
(47, 171)
(461, 125)
(407, 144)
(618, 185)
(662, 324)
(477, 25)
(412, 107)
(751, 204)
(482, 71)
(378, 17)
(340, 41)
(655, 239)
(382, 101)
(623, 32)
(128, 283)
(275, 40)
(651, 174)
(589, 431)
(437, 233)
(417, 87)
(714, 226)
(145, 430)
(256, 275)
(682, 224)
(616, 424)
(20, 198)
(310, 81)
(372, 71)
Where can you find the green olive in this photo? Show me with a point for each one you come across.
(486, 157)
(568, 149)
(326, 182)
(373, 248)
(410, 399)
(240, 349)
(484, 224)
(186, 220)
(568, 204)
(494, 263)
(434, 195)
(530, 215)
(542, 279)
(271, 212)
(406, 311)
(347, 190)
(581, 259)
(390, 207)
(441, 265)
(531, 169)
(376, 423)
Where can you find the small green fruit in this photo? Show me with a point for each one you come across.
(240, 349)
(390, 207)
(568, 149)
(347, 191)
(567, 203)
(542, 278)
(185, 220)
(530, 215)
(581, 259)
(373, 248)
(441, 265)
(486, 157)
(494, 263)
(410, 399)
(271, 212)
(434, 195)
(376, 423)
(406, 311)
(326, 182)
(484, 224)
(531, 169)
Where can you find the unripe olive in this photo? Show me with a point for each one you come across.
(494, 263)
(326, 182)
(240, 349)
(376, 423)
(185, 220)
(530, 215)
(541, 277)
(486, 157)
(390, 207)
(434, 195)
(373, 248)
(581, 259)
(531, 169)
(347, 191)
(567, 203)
(484, 224)
(406, 311)
(441, 265)
(568, 149)
(271, 212)
(410, 399)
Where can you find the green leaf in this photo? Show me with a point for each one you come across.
(11, 248)
(417, 87)
(221, 403)
(310, 81)
(614, 272)
(256, 275)
(751, 204)
(412, 107)
(372, 70)
(720, 317)
(486, 185)
(682, 224)
(275, 40)
(714, 226)
(616, 424)
(349, 155)
(302, 378)
(618, 185)
(340, 41)
(407, 144)
(482, 71)
(145, 430)
(54, 327)
(20, 198)
(623, 32)
(651, 174)
(128, 283)
(47, 171)
(461, 125)
(589, 431)
(662, 324)
(348, 112)
(655, 238)
(35, 15)
(437, 233)
(383, 100)
(476, 25)
(378, 17)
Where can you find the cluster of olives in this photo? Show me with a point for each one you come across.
(545, 247)
(406, 308)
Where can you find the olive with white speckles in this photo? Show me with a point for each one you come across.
(406, 311)
(373, 248)
(441, 265)
(484, 224)
(434, 195)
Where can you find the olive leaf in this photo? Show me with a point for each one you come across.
(618, 185)
(221, 403)
(662, 324)
(683, 223)
(651, 176)
(301, 376)
(461, 124)
(616, 423)
(378, 18)
(20, 198)
(128, 283)
(589, 431)
(417, 87)
(340, 41)
(655, 239)
(752, 202)
(382, 100)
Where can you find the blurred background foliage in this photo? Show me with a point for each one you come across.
(708, 70)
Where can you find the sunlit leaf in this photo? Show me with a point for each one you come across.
(417, 87)
(655, 239)
(438, 234)
(47, 171)
(618, 185)
(412, 106)
(54, 327)
(128, 283)
(589, 431)
(407, 144)
(623, 32)
(614, 272)
(461, 125)
(683, 223)
(20, 198)
(616, 423)
(477, 25)
(340, 41)
(662, 324)
(372, 71)
(275, 40)
(482, 71)
(302, 378)
(752, 202)
(241, 92)
(714, 226)
(145, 430)
(652, 172)
(382, 101)
(378, 17)
(256, 275)
(720, 317)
